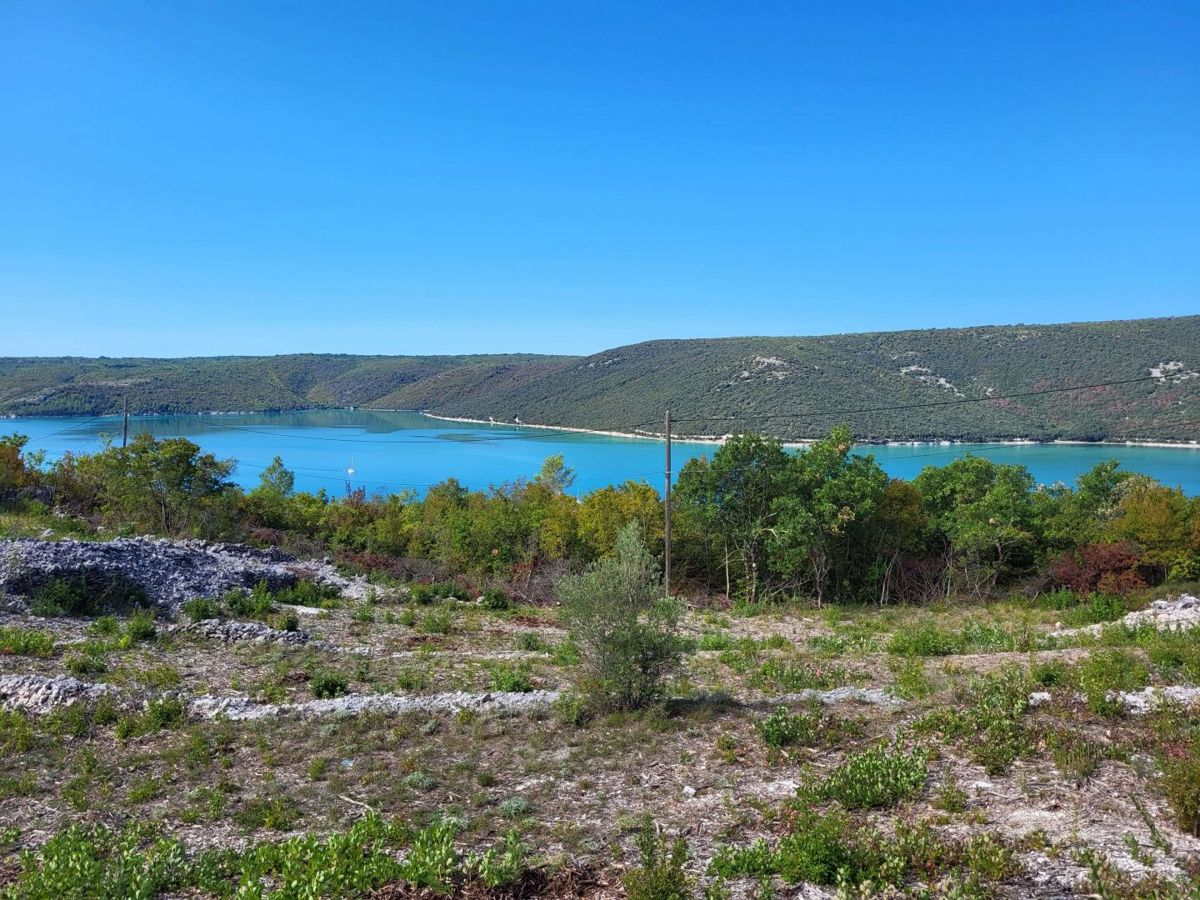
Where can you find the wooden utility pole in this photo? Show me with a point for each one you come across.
(124, 421)
(667, 512)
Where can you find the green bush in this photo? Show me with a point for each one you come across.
(513, 679)
(159, 715)
(785, 729)
(17, 641)
(88, 661)
(327, 685)
(877, 777)
(1180, 784)
(627, 635)
(201, 608)
(141, 626)
(989, 719)
(495, 599)
(660, 875)
(1109, 670)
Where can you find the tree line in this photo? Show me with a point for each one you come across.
(753, 523)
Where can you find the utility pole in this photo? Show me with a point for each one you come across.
(125, 420)
(667, 512)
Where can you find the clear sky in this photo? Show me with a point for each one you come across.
(258, 177)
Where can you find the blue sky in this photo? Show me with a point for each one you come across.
(207, 178)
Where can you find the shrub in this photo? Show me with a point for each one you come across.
(1181, 784)
(1108, 670)
(201, 608)
(1108, 567)
(784, 729)
(494, 599)
(86, 662)
(513, 679)
(627, 635)
(514, 807)
(159, 715)
(660, 875)
(989, 718)
(327, 685)
(876, 777)
(140, 627)
(16, 641)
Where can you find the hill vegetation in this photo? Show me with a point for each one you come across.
(904, 385)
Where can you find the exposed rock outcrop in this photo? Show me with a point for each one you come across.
(243, 708)
(38, 694)
(166, 572)
(1165, 615)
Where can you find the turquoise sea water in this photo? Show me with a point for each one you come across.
(391, 451)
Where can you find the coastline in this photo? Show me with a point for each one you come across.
(711, 440)
(720, 439)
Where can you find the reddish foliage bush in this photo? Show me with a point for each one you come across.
(1112, 568)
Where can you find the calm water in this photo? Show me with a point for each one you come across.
(392, 451)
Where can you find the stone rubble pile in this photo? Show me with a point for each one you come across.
(168, 572)
(243, 708)
(1165, 615)
(38, 694)
(230, 632)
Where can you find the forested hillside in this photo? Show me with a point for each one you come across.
(76, 386)
(905, 385)
(799, 387)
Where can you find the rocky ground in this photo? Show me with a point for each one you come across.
(227, 731)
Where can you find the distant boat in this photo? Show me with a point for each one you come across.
(350, 470)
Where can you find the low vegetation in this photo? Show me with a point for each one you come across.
(515, 708)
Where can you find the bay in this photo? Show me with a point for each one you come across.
(395, 451)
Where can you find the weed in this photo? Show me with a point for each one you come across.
(877, 777)
(514, 679)
(950, 797)
(660, 875)
(159, 715)
(16, 641)
(1106, 671)
(1180, 783)
(514, 807)
(327, 685)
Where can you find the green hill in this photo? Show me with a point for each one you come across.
(76, 386)
(904, 385)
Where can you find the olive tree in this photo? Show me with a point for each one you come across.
(626, 631)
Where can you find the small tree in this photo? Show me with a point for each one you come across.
(626, 631)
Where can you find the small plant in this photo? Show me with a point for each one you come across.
(529, 642)
(660, 875)
(1181, 785)
(1107, 671)
(86, 662)
(287, 621)
(76, 596)
(494, 599)
(950, 797)
(1075, 756)
(437, 621)
(327, 685)
(140, 627)
(510, 679)
(876, 777)
(159, 714)
(277, 813)
(514, 807)
(16, 641)
(200, 609)
(784, 729)
(419, 781)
